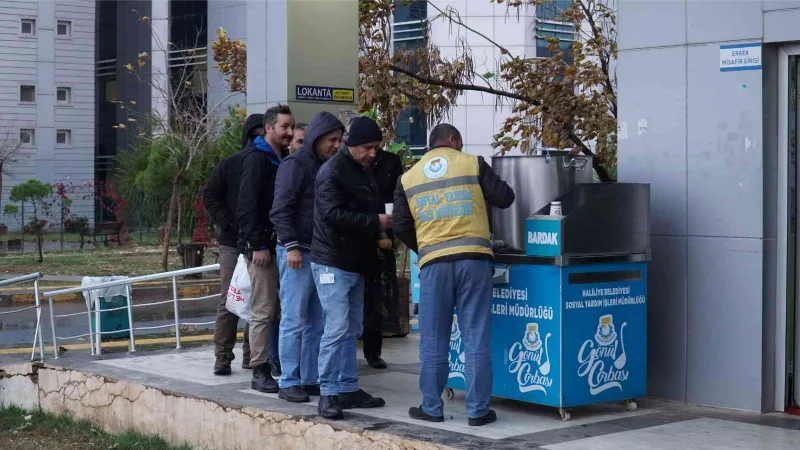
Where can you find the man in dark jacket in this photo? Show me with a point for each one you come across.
(219, 200)
(293, 216)
(259, 162)
(381, 288)
(440, 212)
(347, 223)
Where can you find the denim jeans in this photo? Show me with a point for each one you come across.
(301, 323)
(342, 299)
(464, 285)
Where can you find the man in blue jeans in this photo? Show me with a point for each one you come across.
(347, 224)
(293, 216)
(439, 211)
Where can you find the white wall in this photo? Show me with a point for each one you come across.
(477, 115)
(49, 61)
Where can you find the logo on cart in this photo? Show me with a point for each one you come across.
(602, 360)
(456, 355)
(529, 360)
(435, 168)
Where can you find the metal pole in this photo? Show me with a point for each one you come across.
(35, 335)
(53, 328)
(23, 225)
(38, 318)
(132, 346)
(177, 316)
(98, 324)
(89, 316)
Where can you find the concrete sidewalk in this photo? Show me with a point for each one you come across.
(174, 394)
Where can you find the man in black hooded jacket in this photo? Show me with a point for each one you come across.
(219, 199)
(293, 216)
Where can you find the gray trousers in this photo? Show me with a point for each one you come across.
(265, 309)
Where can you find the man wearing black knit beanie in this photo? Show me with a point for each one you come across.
(348, 222)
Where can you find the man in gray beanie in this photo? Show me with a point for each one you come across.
(348, 221)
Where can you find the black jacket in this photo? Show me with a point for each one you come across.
(346, 209)
(293, 208)
(221, 194)
(496, 192)
(387, 169)
(256, 191)
(220, 198)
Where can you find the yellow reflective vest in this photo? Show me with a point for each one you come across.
(446, 200)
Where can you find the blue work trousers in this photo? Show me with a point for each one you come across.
(465, 286)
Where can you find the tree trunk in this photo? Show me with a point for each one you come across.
(170, 217)
(39, 246)
(180, 219)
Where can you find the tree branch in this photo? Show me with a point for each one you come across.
(462, 86)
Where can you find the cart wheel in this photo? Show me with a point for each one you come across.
(450, 393)
(564, 414)
(631, 405)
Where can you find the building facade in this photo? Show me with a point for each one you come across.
(708, 117)
(47, 94)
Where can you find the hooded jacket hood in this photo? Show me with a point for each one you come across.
(253, 121)
(321, 124)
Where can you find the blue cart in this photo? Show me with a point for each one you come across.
(569, 317)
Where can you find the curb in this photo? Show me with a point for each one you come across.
(186, 288)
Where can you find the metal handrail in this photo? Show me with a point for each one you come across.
(37, 334)
(95, 338)
(21, 279)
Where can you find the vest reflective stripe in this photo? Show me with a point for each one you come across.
(434, 185)
(446, 200)
(472, 241)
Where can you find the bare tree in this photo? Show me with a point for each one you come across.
(181, 125)
(566, 99)
(10, 154)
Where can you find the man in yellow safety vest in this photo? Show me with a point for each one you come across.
(440, 212)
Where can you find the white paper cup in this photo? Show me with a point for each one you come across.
(389, 207)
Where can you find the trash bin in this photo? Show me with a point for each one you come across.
(192, 256)
(108, 298)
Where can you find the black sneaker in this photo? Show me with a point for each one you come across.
(488, 418)
(419, 414)
(222, 368)
(376, 362)
(276, 369)
(294, 394)
(359, 399)
(311, 389)
(262, 381)
(329, 407)
(246, 364)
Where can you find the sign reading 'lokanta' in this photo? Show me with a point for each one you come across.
(324, 94)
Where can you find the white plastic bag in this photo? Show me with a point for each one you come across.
(240, 292)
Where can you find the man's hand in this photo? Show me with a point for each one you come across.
(294, 259)
(262, 258)
(385, 220)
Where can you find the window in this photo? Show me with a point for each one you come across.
(409, 30)
(64, 96)
(64, 28)
(27, 94)
(27, 137)
(27, 27)
(111, 90)
(63, 138)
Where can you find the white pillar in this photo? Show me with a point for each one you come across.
(158, 58)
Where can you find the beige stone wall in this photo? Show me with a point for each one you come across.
(117, 406)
